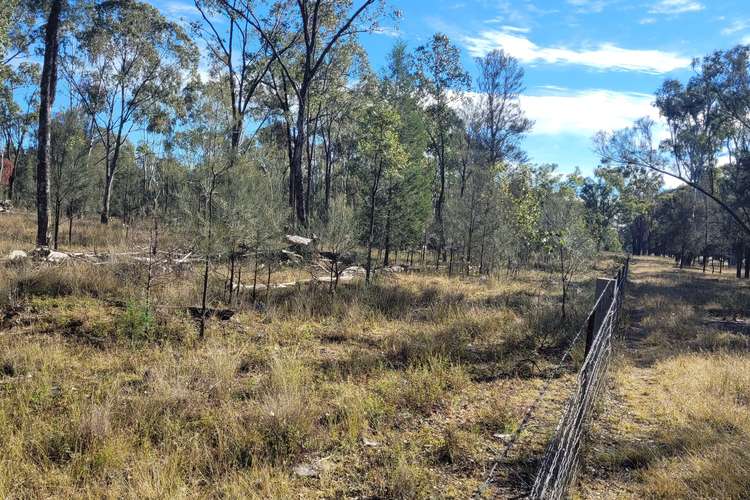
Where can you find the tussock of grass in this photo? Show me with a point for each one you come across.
(59, 281)
(423, 388)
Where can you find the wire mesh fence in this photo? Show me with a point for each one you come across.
(561, 458)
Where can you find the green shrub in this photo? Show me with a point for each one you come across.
(137, 323)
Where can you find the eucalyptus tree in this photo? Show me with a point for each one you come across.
(316, 27)
(706, 119)
(636, 190)
(336, 136)
(68, 174)
(17, 118)
(442, 80)
(519, 206)
(381, 158)
(602, 205)
(503, 122)
(565, 237)
(727, 74)
(635, 148)
(47, 89)
(205, 149)
(240, 58)
(335, 96)
(19, 29)
(407, 197)
(128, 72)
(6, 15)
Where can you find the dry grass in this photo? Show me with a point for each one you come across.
(394, 391)
(677, 424)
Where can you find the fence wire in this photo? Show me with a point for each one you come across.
(560, 460)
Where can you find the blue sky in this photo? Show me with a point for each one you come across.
(590, 64)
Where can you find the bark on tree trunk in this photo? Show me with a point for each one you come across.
(387, 257)
(70, 226)
(47, 97)
(255, 275)
(298, 191)
(107, 199)
(469, 238)
(739, 251)
(371, 232)
(207, 261)
(58, 204)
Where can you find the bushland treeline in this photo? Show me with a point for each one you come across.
(265, 118)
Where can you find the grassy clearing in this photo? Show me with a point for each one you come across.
(396, 391)
(677, 423)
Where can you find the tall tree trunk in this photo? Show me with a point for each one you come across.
(107, 198)
(298, 190)
(441, 197)
(255, 274)
(110, 177)
(747, 262)
(70, 224)
(470, 234)
(371, 229)
(237, 127)
(207, 261)
(58, 205)
(739, 250)
(327, 146)
(290, 157)
(47, 98)
(387, 257)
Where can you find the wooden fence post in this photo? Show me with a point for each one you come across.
(607, 287)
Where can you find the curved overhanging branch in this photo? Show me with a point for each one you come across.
(744, 225)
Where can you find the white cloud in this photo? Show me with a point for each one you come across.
(745, 40)
(562, 111)
(586, 6)
(605, 56)
(670, 182)
(736, 27)
(179, 8)
(515, 29)
(676, 7)
(387, 31)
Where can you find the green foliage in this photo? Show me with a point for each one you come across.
(6, 13)
(137, 323)
(600, 200)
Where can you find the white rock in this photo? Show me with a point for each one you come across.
(504, 437)
(298, 240)
(57, 257)
(304, 470)
(354, 271)
(18, 255)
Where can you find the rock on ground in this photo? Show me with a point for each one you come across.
(17, 256)
(57, 257)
